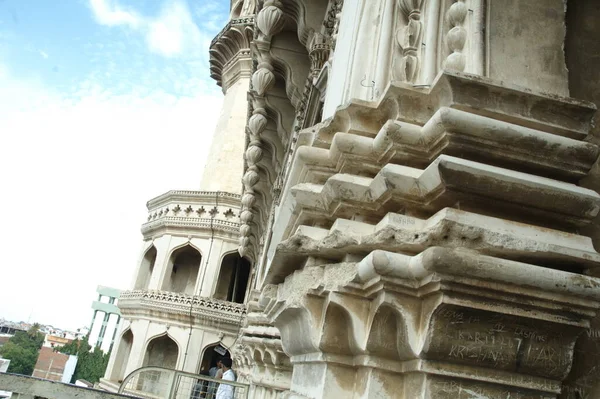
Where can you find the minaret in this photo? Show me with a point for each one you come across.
(187, 296)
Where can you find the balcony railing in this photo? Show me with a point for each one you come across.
(176, 305)
(162, 383)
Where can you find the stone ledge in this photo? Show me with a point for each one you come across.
(30, 387)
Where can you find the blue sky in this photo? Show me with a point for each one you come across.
(104, 104)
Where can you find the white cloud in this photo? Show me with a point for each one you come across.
(44, 54)
(109, 12)
(78, 172)
(171, 33)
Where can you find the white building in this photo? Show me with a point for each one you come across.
(189, 289)
(106, 318)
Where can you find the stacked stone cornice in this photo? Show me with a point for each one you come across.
(229, 52)
(432, 238)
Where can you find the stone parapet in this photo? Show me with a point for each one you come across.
(24, 387)
(199, 212)
(180, 307)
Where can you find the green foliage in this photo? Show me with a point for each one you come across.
(22, 350)
(91, 365)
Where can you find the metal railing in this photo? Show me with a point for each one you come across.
(162, 383)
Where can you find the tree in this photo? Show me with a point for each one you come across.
(22, 349)
(91, 365)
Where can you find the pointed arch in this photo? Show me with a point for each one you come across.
(161, 351)
(122, 356)
(182, 270)
(209, 357)
(233, 278)
(146, 269)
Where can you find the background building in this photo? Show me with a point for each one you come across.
(189, 289)
(55, 366)
(106, 318)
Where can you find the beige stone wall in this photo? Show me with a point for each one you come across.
(225, 164)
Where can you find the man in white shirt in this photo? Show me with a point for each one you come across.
(225, 391)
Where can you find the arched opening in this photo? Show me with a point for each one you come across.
(160, 352)
(183, 270)
(210, 355)
(122, 357)
(146, 269)
(233, 278)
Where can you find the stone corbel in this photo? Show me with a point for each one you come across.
(408, 39)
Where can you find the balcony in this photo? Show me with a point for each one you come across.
(179, 307)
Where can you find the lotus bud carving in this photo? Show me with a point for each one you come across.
(257, 123)
(270, 19)
(263, 79)
(254, 155)
(250, 179)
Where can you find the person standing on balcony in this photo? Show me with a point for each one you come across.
(225, 390)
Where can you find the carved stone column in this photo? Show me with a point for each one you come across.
(408, 39)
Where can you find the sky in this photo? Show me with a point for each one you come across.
(104, 104)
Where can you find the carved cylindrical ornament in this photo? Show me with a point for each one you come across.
(405, 67)
(253, 155)
(245, 229)
(263, 79)
(456, 37)
(457, 13)
(270, 19)
(248, 200)
(257, 123)
(246, 216)
(410, 6)
(250, 179)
